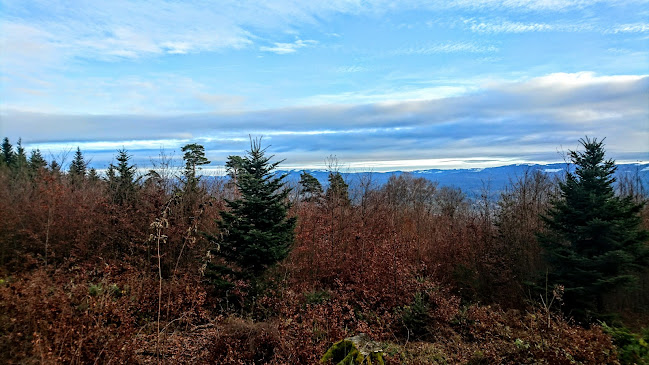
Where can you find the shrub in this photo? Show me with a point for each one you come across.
(415, 317)
(632, 348)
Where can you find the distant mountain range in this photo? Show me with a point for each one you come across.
(472, 181)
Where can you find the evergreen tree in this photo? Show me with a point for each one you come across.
(122, 181)
(194, 158)
(78, 166)
(338, 190)
(594, 243)
(93, 176)
(7, 152)
(55, 167)
(36, 161)
(20, 158)
(311, 188)
(256, 231)
(192, 193)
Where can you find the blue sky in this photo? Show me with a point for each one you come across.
(383, 85)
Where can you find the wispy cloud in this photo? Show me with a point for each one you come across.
(389, 95)
(506, 26)
(449, 47)
(134, 29)
(55, 32)
(127, 30)
(286, 48)
(631, 28)
(131, 29)
(351, 69)
(511, 27)
(538, 5)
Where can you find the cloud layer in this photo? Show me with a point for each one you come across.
(526, 120)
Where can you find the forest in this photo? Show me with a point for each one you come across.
(166, 267)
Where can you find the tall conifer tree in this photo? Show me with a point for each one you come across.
(122, 180)
(36, 163)
(8, 154)
(78, 165)
(594, 242)
(36, 160)
(20, 158)
(256, 232)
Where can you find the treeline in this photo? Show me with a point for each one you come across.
(167, 267)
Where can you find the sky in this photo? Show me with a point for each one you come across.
(381, 85)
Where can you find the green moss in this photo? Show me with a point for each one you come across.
(339, 352)
(346, 352)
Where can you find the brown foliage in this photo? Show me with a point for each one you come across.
(80, 279)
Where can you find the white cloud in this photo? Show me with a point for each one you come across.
(449, 47)
(387, 95)
(351, 69)
(511, 27)
(126, 29)
(133, 29)
(593, 25)
(286, 48)
(505, 26)
(631, 28)
(539, 5)
(567, 81)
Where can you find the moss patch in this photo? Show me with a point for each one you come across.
(357, 350)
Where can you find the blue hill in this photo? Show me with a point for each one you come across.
(472, 181)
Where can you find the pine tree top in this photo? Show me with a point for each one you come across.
(78, 164)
